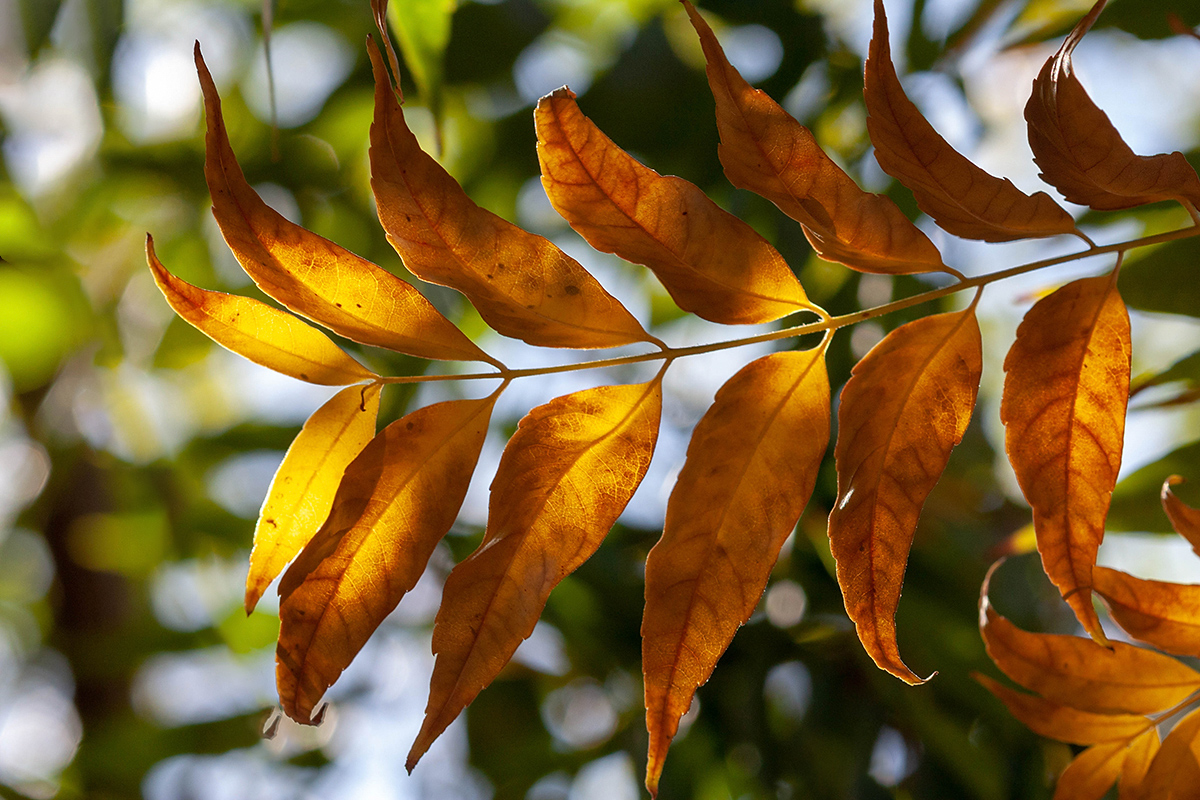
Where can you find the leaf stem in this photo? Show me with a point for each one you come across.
(824, 323)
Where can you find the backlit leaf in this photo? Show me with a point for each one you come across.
(311, 275)
(564, 478)
(711, 262)
(1166, 615)
(256, 331)
(765, 150)
(1082, 154)
(749, 472)
(905, 407)
(1092, 773)
(1184, 519)
(1075, 671)
(1065, 394)
(1138, 758)
(961, 197)
(1066, 724)
(306, 482)
(396, 501)
(1174, 774)
(521, 284)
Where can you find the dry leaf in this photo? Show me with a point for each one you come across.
(305, 484)
(1184, 519)
(711, 262)
(750, 469)
(905, 407)
(521, 284)
(1092, 773)
(765, 150)
(1061, 722)
(311, 275)
(961, 197)
(1166, 615)
(1138, 758)
(1065, 394)
(565, 476)
(1082, 154)
(1174, 773)
(397, 499)
(256, 331)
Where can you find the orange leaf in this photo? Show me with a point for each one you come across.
(564, 478)
(905, 407)
(311, 275)
(765, 150)
(1184, 519)
(749, 472)
(711, 262)
(961, 197)
(1174, 773)
(256, 331)
(522, 285)
(1064, 409)
(1082, 154)
(1092, 773)
(1078, 672)
(1138, 758)
(1066, 724)
(305, 484)
(397, 499)
(1166, 615)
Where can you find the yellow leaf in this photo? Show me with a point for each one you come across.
(1077, 672)
(311, 275)
(1082, 154)
(711, 262)
(1092, 773)
(961, 197)
(749, 472)
(905, 407)
(1066, 724)
(765, 150)
(564, 478)
(1174, 774)
(1166, 615)
(522, 285)
(255, 331)
(1184, 519)
(1138, 758)
(1065, 394)
(396, 501)
(304, 486)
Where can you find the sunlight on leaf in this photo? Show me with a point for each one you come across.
(1061, 722)
(1166, 615)
(905, 407)
(1065, 394)
(1184, 519)
(750, 469)
(1138, 758)
(565, 476)
(1092, 773)
(1174, 774)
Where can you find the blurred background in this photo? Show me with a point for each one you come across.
(134, 454)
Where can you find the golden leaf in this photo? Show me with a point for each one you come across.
(1174, 774)
(1092, 773)
(397, 499)
(1061, 722)
(750, 469)
(1184, 519)
(961, 197)
(522, 285)
(1138, 758)
(1065, 394)
(765, 150)
(711, 262)
(256, 331)
(311, 275)
(1166, 615)
(306, 482)
(565, 476)
(905, 407)
(1080, 152)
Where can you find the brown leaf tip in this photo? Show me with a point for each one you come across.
(561, 93)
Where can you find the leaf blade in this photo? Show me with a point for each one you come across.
(1092, 773)
(305, 484)
(521, 284)
(905, 407)
(398, 498)
(1184, 519)
(267, 336)
(1063, 723)
(311, 275)
(564, 478)
(1066, 389)
(1166, 615)
(765, 150)
(620, 206)
(1175, 765)
(767, 430)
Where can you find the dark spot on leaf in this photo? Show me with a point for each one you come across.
(574, 290)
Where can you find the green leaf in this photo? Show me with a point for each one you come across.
(1164, 280)
(423, 27)
(1135, 502)
(1186, 370)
